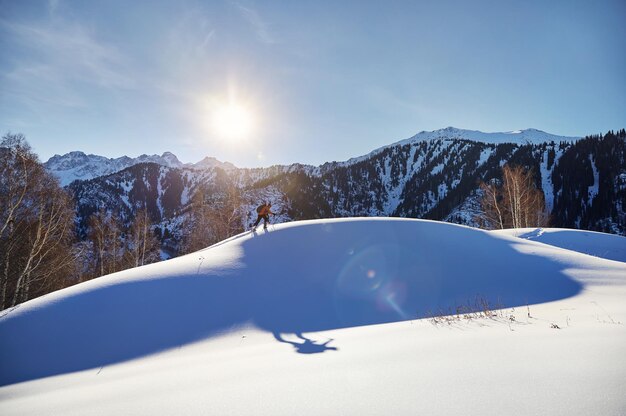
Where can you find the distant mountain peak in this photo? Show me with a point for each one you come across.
(211, 162)
(520, 137)
(77, 165)
(528, 135)
(171, 159)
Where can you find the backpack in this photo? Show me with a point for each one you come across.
(260, 208)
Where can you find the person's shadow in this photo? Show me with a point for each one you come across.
(308, 346)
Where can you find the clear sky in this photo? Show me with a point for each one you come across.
(310, 81)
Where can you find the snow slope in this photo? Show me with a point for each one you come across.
(607, 246)
(321, 317)
(519, 137)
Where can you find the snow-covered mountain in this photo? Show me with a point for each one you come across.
(79, 166)
(526, 136)
(345, 316)
(518, 137)
(211, 162)
(583, 181)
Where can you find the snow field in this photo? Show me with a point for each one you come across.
(321, 317)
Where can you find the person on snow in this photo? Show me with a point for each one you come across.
(263, 212)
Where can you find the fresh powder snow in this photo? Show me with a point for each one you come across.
(363, 316)
(607, 246)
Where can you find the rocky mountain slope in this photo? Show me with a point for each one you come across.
(432, 175)
(79, 166)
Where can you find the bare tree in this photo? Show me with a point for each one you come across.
(141, 245)
(213, 217)
(36, 220)
(515, 202)
(226, 213)
(16, 167)
(105, 236)
(196, 235)
(491, 205)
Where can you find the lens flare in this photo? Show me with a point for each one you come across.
(391, 297)
(367, 287)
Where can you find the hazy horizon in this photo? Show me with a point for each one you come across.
(202, 157)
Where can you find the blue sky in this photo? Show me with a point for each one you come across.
(323, 80)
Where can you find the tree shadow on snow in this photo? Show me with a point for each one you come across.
(313, 277)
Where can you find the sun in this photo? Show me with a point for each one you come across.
(233, 121)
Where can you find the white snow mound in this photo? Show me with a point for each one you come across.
(227, 320)
(607, 246)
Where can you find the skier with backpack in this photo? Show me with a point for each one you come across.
(263, 212)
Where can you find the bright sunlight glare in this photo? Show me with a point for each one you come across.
(233, 121)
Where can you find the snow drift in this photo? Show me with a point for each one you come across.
(606, 246)
(299, 277)
(280, 323)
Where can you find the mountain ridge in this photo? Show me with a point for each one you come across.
(78, 165)
(583, 183)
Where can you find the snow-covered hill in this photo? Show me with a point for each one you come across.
(330, 317)
(602, 245)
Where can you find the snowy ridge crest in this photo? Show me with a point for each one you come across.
(518, 137)
(80, 166)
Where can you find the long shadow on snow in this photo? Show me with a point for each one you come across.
(301, 279)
